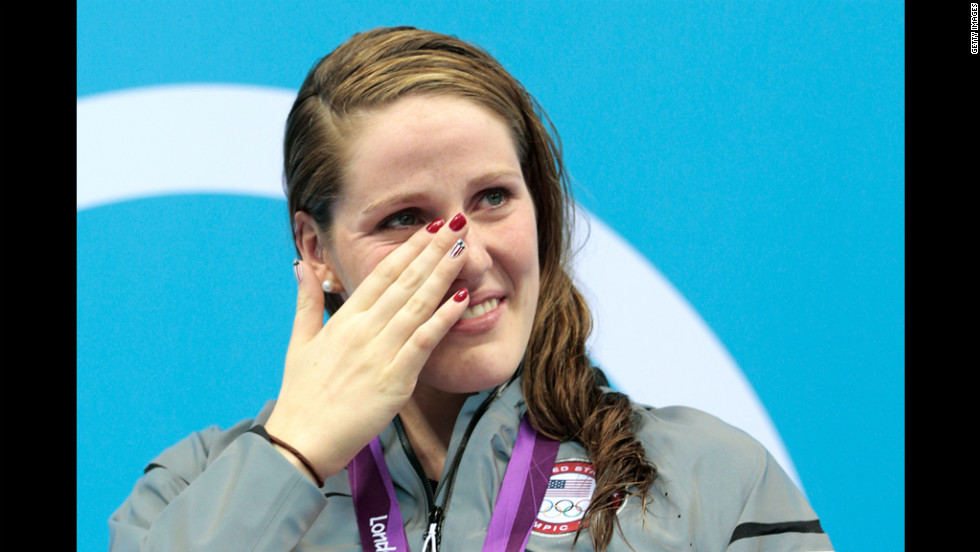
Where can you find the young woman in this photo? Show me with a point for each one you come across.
(448, 403)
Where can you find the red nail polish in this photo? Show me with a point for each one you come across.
(458, 222)
(460, 295)
(435, 225)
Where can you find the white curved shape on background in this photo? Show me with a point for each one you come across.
(228, 139)
(180, 139)
(655, 346)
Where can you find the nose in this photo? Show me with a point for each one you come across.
(479, 258)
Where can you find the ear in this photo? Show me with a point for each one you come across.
(313, 248)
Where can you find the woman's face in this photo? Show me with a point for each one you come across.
(428, 157)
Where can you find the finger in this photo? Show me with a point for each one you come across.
(428, 335)
(422, 304)
(309, 305)
(404, 291)
(391, 268)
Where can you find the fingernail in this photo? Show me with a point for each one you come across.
(458, 222)
(298, 271)
(435, 225)
(460, 295)
(457, 249)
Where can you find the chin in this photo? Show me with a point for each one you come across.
(468, 373)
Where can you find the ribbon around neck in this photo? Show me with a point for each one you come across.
(379, 519)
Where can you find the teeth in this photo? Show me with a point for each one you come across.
(481, 309)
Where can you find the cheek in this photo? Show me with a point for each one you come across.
(356, 264)
(530, 251)
(521, 257)
(534, 276)
(529, 263)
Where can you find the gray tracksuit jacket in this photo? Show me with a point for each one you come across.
(717, 489)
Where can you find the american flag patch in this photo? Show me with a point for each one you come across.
(571, 487)
(567, 497)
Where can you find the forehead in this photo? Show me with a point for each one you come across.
(420, 140)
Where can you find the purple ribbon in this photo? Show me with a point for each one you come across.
(522, 491)
(379, 520)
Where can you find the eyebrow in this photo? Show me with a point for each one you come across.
(413, 197)
(397, 199)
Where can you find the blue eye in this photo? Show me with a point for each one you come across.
(405, 219)
(495, 197)
(401, 220)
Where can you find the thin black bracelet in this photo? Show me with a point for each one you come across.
(260, 430)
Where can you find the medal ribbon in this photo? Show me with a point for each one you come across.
(379, 520)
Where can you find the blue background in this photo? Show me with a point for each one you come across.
(752, 151)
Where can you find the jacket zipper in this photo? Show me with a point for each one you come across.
(436, 513)
(431, 543)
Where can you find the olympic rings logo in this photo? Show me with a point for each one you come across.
(563, 508)
(567, 498)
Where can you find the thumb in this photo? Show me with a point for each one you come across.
(309, 304)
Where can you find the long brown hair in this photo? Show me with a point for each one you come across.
(563, 396)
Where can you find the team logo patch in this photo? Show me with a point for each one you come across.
(569, 494)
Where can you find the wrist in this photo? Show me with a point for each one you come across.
(292, 455)
(319, 447)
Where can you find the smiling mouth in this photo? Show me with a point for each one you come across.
(475, 311)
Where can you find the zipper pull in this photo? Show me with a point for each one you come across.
(430, 539)
(431, 543)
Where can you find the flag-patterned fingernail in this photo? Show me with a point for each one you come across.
(457, 249)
